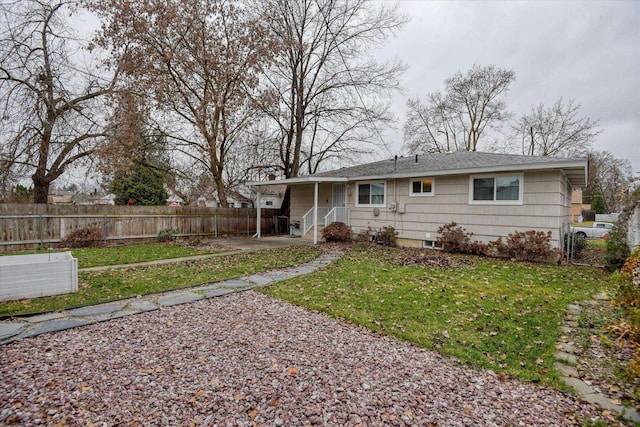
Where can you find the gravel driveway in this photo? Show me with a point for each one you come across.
(247, 359)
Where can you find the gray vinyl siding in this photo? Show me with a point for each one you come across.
(543, 209)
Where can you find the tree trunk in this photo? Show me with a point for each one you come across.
(222, 195)
(40, 189)
(285, 207)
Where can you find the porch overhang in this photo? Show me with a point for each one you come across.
(300, 180)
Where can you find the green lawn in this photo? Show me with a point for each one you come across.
(113, 284)
(130, 254)
(490, 313)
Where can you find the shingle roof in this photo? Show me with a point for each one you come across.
(460, 162)
(446, 162)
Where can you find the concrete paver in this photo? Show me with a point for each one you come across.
(143, 305)
(95, 310)
(44, 317)
(212, 293)
(54, 326)
(235, 284)
(10, 329)
(178, 298)
(259, 279)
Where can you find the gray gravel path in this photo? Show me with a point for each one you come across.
(247, 359)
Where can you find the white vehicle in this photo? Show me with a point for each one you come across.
(596, 231)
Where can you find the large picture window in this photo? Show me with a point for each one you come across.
(499, 189)
(421, 187)
(371, 194)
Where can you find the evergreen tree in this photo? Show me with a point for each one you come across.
(141, 183)
(597, 203)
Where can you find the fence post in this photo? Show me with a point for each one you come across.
(40, 229)
(104, 229)
(215, 225)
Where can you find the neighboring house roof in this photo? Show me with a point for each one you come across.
(275, 190)
(459, 162)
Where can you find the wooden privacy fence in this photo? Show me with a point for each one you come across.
(27, 226)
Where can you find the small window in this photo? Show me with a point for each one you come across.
(371, 194)
(269, 203)
(422, 187)
(500, 189)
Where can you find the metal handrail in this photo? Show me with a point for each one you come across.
(307, 218)
(337, 213)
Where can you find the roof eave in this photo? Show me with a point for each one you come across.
(309, 179)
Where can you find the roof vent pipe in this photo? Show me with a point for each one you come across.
(395, 162)
(416, 158)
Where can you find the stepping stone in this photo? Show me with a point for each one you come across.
(259, 280)
(279, 276)
(631, 414)
(178, 298)
(572, 324)
(143, 305)
(603, 401)
(301, 270)
(96, 310)
(580, 386)
(568, 348)
(234, 284)
(116, 315)
(566, 357)
(574, 309)
(601, 297)
(45, 317)
(54, 326)
(211, 293)
(10, 329)
(566, 370)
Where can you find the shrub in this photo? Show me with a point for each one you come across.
(89, 237)
(527, 246)
(453, 238)
(387, 236)
(617, 250)
(167, 235)
(337, 232)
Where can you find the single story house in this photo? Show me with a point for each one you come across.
(489, 194)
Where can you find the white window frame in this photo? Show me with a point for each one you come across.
(518, 175)
(383, 204)
(422, 194)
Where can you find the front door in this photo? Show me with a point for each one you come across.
(339, 196)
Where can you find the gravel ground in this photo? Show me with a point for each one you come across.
(247, 359)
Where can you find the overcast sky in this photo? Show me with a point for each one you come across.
(585, 51)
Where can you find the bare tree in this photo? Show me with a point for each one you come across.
(556, 131)
(608, 176)
(329, 92)
(49, 99)
(201, 61)
(456, 119)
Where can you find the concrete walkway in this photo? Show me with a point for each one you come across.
(24, 327)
